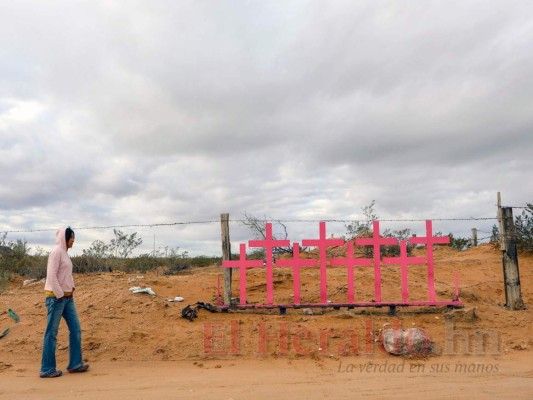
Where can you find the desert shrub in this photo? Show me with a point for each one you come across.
(123, 244)
(358, 228)
(5, 275)
(142, 264)
(204, 261)
(86, 264)
(176, 267)
(258, 228)
(171, 265)
(20, 248)
(394, 250)
(15, 258)
(255, 254)
(459, 243)
(33, 267)
(524, 229)
(6, 251)
(103, 257)
(364, 229)
(7, 263)
(98, 249)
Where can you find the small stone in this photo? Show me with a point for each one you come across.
(344, 315)
(462, 314)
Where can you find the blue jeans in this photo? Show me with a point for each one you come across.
(56, 309)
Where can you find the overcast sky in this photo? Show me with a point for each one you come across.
(146, 112)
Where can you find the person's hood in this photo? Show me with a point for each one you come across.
(60, 238)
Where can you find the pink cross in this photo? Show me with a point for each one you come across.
(269, 244)
(323, 244)
(429, 241)
(350, 261)
(377, 241)
(296, 262)
(403, 261)
(242, 263)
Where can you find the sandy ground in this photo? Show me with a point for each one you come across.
(282, 379)
(140, 348)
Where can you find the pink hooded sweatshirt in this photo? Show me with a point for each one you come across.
(59, 270)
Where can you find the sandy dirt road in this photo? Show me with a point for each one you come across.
(346, 378)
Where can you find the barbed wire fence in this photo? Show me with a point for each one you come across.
(488, 236)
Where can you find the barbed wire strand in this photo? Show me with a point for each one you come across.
(152, 225)
(363, 220)
(113, 226)
(263, 220)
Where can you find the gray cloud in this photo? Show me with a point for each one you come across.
(178, 111)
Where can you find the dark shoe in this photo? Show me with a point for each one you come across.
(53, 374)
(83, 368)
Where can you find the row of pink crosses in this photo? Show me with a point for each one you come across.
(349, 261)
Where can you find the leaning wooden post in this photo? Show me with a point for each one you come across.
(511, 275)
(226, 256)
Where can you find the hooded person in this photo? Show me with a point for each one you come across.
(59, 288)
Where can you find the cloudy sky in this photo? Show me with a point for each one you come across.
(151, 112)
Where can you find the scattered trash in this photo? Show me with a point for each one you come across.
(191, 311)
(137, 289)
(175, 299)
(30, 282)
(308, 311)
(14, 315)
(411, 341)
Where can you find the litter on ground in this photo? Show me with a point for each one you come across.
(410, 341)
(137, 289)
(191, 311)
(14, 315)
(175, 299)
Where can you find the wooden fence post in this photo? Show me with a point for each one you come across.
(511, 275)
(226, 255)
(500, 222)
(474, 237)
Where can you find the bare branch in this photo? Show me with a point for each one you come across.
(258, 227)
